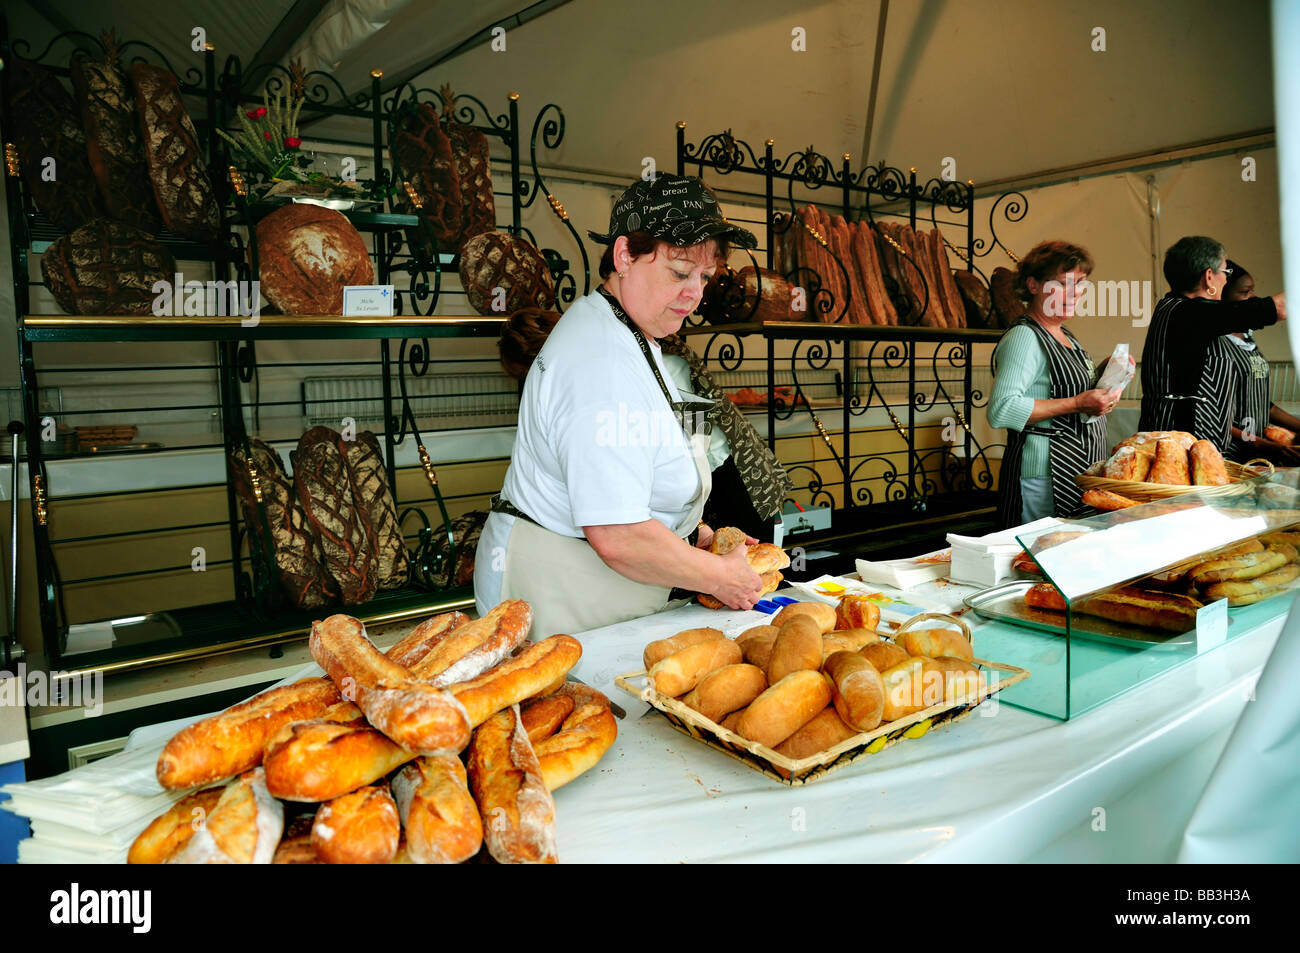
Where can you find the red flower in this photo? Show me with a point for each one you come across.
(257, 113)
(267, 135)
(293, 142)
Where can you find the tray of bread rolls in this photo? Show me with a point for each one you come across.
(818, 689)
(1157, 611)
(1158, 464)
(446, 748)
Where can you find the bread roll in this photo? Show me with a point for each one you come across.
(682, 671)
(1279, 435)
(438, 813)
(798, 646)
(820, 613)
(756, 644)
(1206, 462)
(962, 681)
(904, 689)
(825, 730)
(543, 716)
(857, 690)
(1127, 464)
(725, 690)
(660, 649)
(358, 828)
(732, 721)
(785, 707)
(1170, 465)
(172, 829)
(884, 655)
(933, 643)
(857, 612)
(847, 640)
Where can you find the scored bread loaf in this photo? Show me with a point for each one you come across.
(1207, 468)
(438, 813)
(536, 667)
(517, 810)
(320, 759)
(421, 640)
(170, 831)
(477, 646)
(904, 689)
(361, 827)
(847, 640)
(372, 497)
(346, 535)
(1170, 465)
(244, 826)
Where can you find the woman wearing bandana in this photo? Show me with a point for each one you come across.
(609, 473)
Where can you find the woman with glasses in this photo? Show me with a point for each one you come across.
(1252, 396)
(1186, 373)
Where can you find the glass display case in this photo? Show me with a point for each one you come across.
(1129, 594)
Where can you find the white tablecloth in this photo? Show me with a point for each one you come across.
(1117, 783)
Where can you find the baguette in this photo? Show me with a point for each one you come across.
(231, 742)
(1245, 566)
(1150, 608)
(172, 829)
(474, 648)
(543, 716)
(682, 671)
(244, 827)
(518, 678)
(819, 612)
(417, 716)
(360, 827)
(660, 649)
(320, 760)
(581, 741)
(421, 640)
(857, 690)
(1206, 463)
(1106, 500)
(517, 811)
(725, 690)
(784, 708)
(1239, 589)
(857, 612)
(438, 813)
(798, 646)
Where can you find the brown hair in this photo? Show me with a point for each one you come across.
(643, 243)
(1046, 260)
(525, 333)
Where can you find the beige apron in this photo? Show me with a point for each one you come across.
(569, 586)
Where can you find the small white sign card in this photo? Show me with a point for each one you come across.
(1211, 625)
(368, 301)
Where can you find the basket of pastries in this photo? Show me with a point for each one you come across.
(817, 689)
(1158, 464)
(446, 748)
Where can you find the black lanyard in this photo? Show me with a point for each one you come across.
(691, 413)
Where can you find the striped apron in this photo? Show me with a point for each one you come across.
(1160, 410)
(1252, 397)
(1213, 411)
(1073, 446)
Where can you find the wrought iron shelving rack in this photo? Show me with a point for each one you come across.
(257, 615)
(938, 362)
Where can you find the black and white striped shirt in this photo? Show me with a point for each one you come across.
(1177, 365)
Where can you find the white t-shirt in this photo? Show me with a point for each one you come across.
(597, 443)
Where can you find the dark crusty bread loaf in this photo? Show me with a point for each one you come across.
(105, 267)
(373, 497)
(306, 255)
(344, 531)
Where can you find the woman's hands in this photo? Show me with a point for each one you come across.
(1098, 402)
(736, 585)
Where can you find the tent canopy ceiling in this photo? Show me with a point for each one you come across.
(1002, 87)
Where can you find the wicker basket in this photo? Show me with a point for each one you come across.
(815, 767)
(1146, 492)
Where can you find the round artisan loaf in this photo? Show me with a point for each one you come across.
(495, 260)
(725, 690)
(820, 613)
(767, 295)
(857, 690)
(660, 649)
(306, 255)
(784, 708)
(106, 267)
(798, 646)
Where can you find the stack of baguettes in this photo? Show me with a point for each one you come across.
(815, 677)
(451, 741)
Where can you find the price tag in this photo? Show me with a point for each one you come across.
(368, 301)
(1211, 625)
